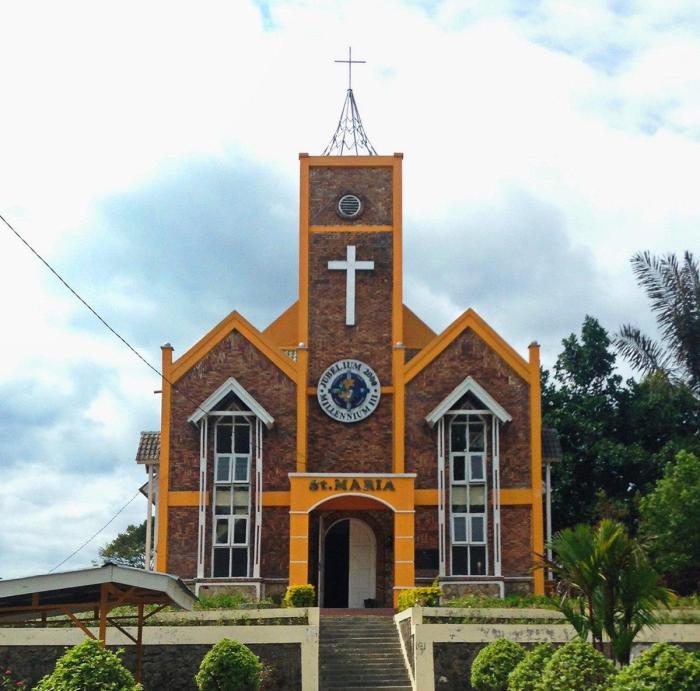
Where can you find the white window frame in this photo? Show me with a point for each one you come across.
(468, 482)
(232, 484)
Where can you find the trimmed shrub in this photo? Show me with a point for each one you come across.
(229, 666)
(89, 667)
(527, 674)
(494, 663)
(663, 667)
(427, 596)
(299, 596)
(577, 666)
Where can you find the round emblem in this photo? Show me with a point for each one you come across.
(348, 391)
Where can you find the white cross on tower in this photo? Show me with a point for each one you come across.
(350, 265)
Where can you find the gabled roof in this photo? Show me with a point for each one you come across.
(234, 322)
(469, 385)
(283, 332)
(232, 386)
(468, 320)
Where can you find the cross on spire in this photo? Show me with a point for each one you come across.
(350, 63)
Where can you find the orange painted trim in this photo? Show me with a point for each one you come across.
(397, 312)
(275, 498)
(426, 497)
(233, 322)
(469, 320)
(536, 467)
(350, 161)
(283, 331)
(303, 313)
(185, 499)
(319, 230)
(516, 497)
(164, 466)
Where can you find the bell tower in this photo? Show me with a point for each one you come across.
(350, 316)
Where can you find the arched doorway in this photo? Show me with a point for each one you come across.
(349, 564)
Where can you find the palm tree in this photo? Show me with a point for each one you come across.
(674, 291)
(608, 585)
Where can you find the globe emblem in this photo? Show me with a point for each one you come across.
(348, 390)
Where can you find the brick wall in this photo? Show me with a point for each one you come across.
(373, 185)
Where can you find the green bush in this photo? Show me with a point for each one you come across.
(89, 667)
(229, 666)
(577, 666)
(527, 674)
(494, 663)
(663, 667)
(299, 596)
(427, 596)
(510, 601)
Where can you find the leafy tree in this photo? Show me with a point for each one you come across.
(127, 549)
(668, 516)
(673, 288)
(609, 585)
(616, 436)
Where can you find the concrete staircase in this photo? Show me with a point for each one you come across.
(361, 652)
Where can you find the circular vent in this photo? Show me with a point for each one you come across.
(349, 206)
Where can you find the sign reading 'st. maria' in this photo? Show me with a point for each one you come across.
(348, 391)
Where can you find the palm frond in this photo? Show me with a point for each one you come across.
(640, 351)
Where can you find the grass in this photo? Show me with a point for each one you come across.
(514, 601)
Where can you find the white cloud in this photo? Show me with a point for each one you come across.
(586, 112)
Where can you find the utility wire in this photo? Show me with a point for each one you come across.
(65, 283)
(121, 338)
(90, 539)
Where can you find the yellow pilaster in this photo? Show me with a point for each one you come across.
(404, 551)
(298, 548)
(164, 467)
(536, 468)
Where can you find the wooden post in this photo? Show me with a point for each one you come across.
(104, 596)
(139, 642)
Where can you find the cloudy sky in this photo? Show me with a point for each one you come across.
(150, 152)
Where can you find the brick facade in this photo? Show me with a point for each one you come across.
(276, 383)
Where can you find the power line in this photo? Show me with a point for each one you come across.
(90, 539)
(65, 283)
(104, 322)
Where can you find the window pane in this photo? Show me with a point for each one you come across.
(240, 500)
(458, 474)
(242, 438)
(477, 498)
(221, 559)
(239, 567)
(459, 561)
(241, 472)
(240, 531)
(458, 437)
(223, 469)
(222, 531)
(477, 534)
(478, 560)
(476, 467)
(223, 438)
(222, 503)
(460, 529)
(476, 437)
(459, 499)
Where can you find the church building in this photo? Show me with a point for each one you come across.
(347, 445)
